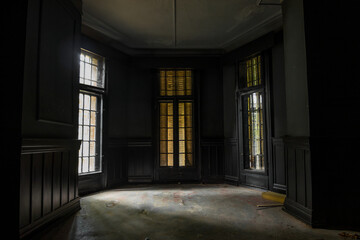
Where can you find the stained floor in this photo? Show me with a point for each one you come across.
(182, 212)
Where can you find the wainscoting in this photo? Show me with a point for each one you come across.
(278, 174)
(212, 155)
(129, 160)
(48, 182)
(298, 201)
(231, 161)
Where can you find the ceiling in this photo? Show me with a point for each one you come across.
(181, 24)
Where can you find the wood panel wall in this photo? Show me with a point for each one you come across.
(231, 161)
(212, 160)
(48, 182)
(299, 182)
(278, 168)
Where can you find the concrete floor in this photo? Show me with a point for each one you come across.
(182, 212)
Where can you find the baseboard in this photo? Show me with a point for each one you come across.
(231, 180)
(66, 210)
(140, 179)
(299, 211)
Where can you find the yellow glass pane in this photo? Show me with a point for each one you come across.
(170, 85)
(92, 133)
(170, 161)
(188, 133)
(170, 73)
(170, 134)
(163, 134)
(163, 160)
(181, 133)
(163, 146)
(163, 107)
(188, 121)
(180, 86)
(254, 61)
(170, 147)
(162, 86)
(93, 103)
(181, 146)
(182, 160)
(181, 121)
(188, 73)
(181, 108)
(189, 160)
(162, 73)
(94, 61)
(170, 121)
(180, 73)
(188, 107)
(163, 121)
(170, 109)
(93, 118)
(188, 146)
(188, 84)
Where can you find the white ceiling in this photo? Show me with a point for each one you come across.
(181, 24)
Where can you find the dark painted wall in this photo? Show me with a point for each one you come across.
(295, 69)
(333, 103)
(13, 18)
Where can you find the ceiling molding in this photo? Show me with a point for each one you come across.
(270, 24)
(143, 52)
(100, 26)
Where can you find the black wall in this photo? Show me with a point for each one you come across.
(333, 110)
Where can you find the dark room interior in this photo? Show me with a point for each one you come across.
(172, 119)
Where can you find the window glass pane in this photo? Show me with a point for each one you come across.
(175, 144)
(163, 160)
(92, 149)
(85, 165)
(170, 160)
(87, 132)
(93, 103)
(175, 82)
(253, 131)
(182, 160)
(92, 133)
(170, 121)
(93, 118)
(91, 69)
(250, 72)
(86, 117)
(92, 164)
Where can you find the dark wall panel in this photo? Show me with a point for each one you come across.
(47, 184)
(45, 168)
(58, 42)
(212, 160)
(51, 70)
(25, 190)
(231, 160)
(299, 181)
(278, 165)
